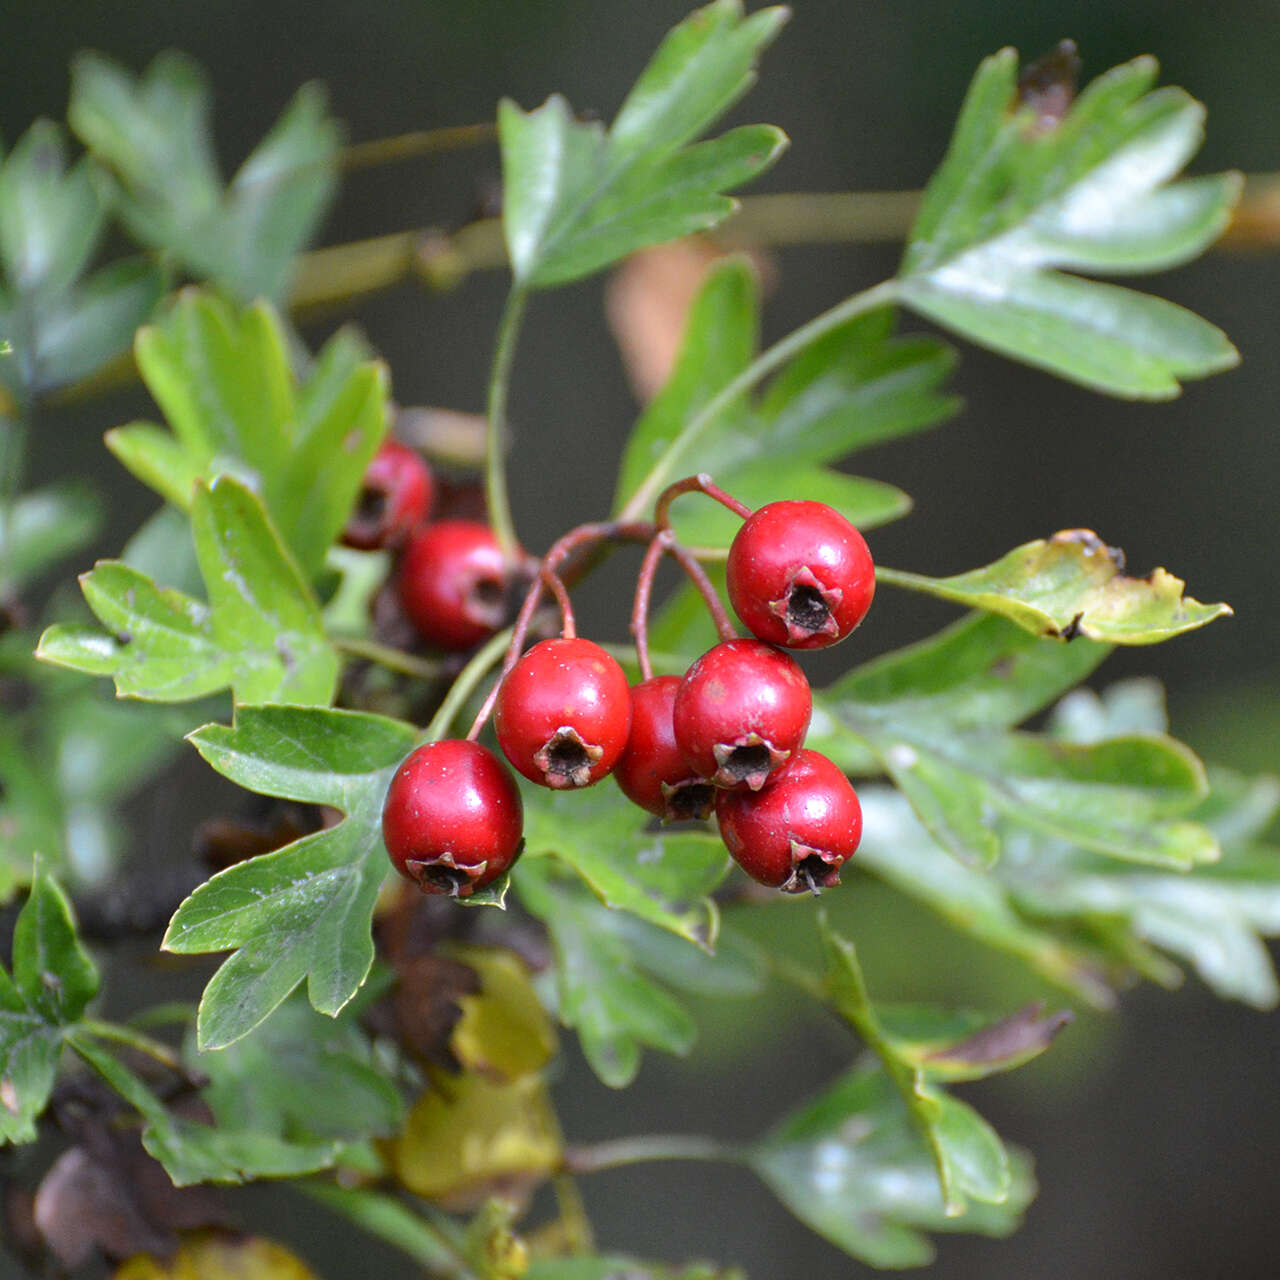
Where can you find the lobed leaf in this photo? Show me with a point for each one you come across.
(153, 134)
(603, 993)
(1072, 585)
(304, 910)
(192, 1152)
(1014, 202)
(577, 198)
(224, 381)
(53, 980)
(858, 386)
(851, 1166)
(261, 631)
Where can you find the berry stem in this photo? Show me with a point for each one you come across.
(759, 369)
(710, 596)
(701, 483)
(555, 584)
(464, 686)
(644, 592)
(646, 1147)
(495, 474)
(385, 655)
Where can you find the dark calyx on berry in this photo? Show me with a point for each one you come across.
(799, 574)
(566, 760)
(453, 818)
(740, 712)
(798, 831)
(395, 497)
(563, 713)
(453, 583)
(652, 772)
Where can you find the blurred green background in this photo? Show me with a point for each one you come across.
(1155, 1132)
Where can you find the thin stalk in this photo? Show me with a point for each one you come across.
(386, 656)
(465, 685)
(495, 472)
(390, 1220)
(135, 1039)
(419, 142)
(701, 483)
(759, 369)
(568, 624)
(621, 1152)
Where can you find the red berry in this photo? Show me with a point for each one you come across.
(800, 574)
(396, 495)
(798, 832)
(453, 583)
(740, 711)
(453, 819)
(563, 713)
(652, 771)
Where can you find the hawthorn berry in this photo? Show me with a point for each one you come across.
(453, 819)
(396, 496)
(798, 831)
(799, 574)
(652, 771)
(563, 713)
(740, 711)
(453, 583)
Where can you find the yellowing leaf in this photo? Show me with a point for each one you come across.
(470, 1137)
(219, 1257)
(504, 1032)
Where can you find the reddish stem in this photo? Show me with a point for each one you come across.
(710, 596)
(701, 483)
(644, 592)
(553, 581)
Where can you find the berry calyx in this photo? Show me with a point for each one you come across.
(740, 712)
(563, 713)
(799, 574)
(453, 820)
(453, 583)
(652, 771)
(798, 831)
(395, 497)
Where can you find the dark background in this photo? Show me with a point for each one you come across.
(1154, 1133)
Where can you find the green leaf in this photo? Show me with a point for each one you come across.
(53, 979)
(971, 1160)
(602, 992)
(934, 716)
(577, 199)
(223, 379)
(51, 219)
(153, 134)
(663, 878)
(857, 386)
(193, 1152)
(302, 1078)
(951, 1045)
(1074, 585)
(851, 1166)
(304, 910)
(41, 526)
(51, 970)
(261, 632)
(898, 849)
(1014, 202)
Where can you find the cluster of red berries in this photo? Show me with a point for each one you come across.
(726, 737)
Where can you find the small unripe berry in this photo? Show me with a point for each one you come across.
(453, 583)
(563, 713)
(453, 819)
(652, 771)
(395, 497)
(799, 830)
(740, 711)
(799, 574)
